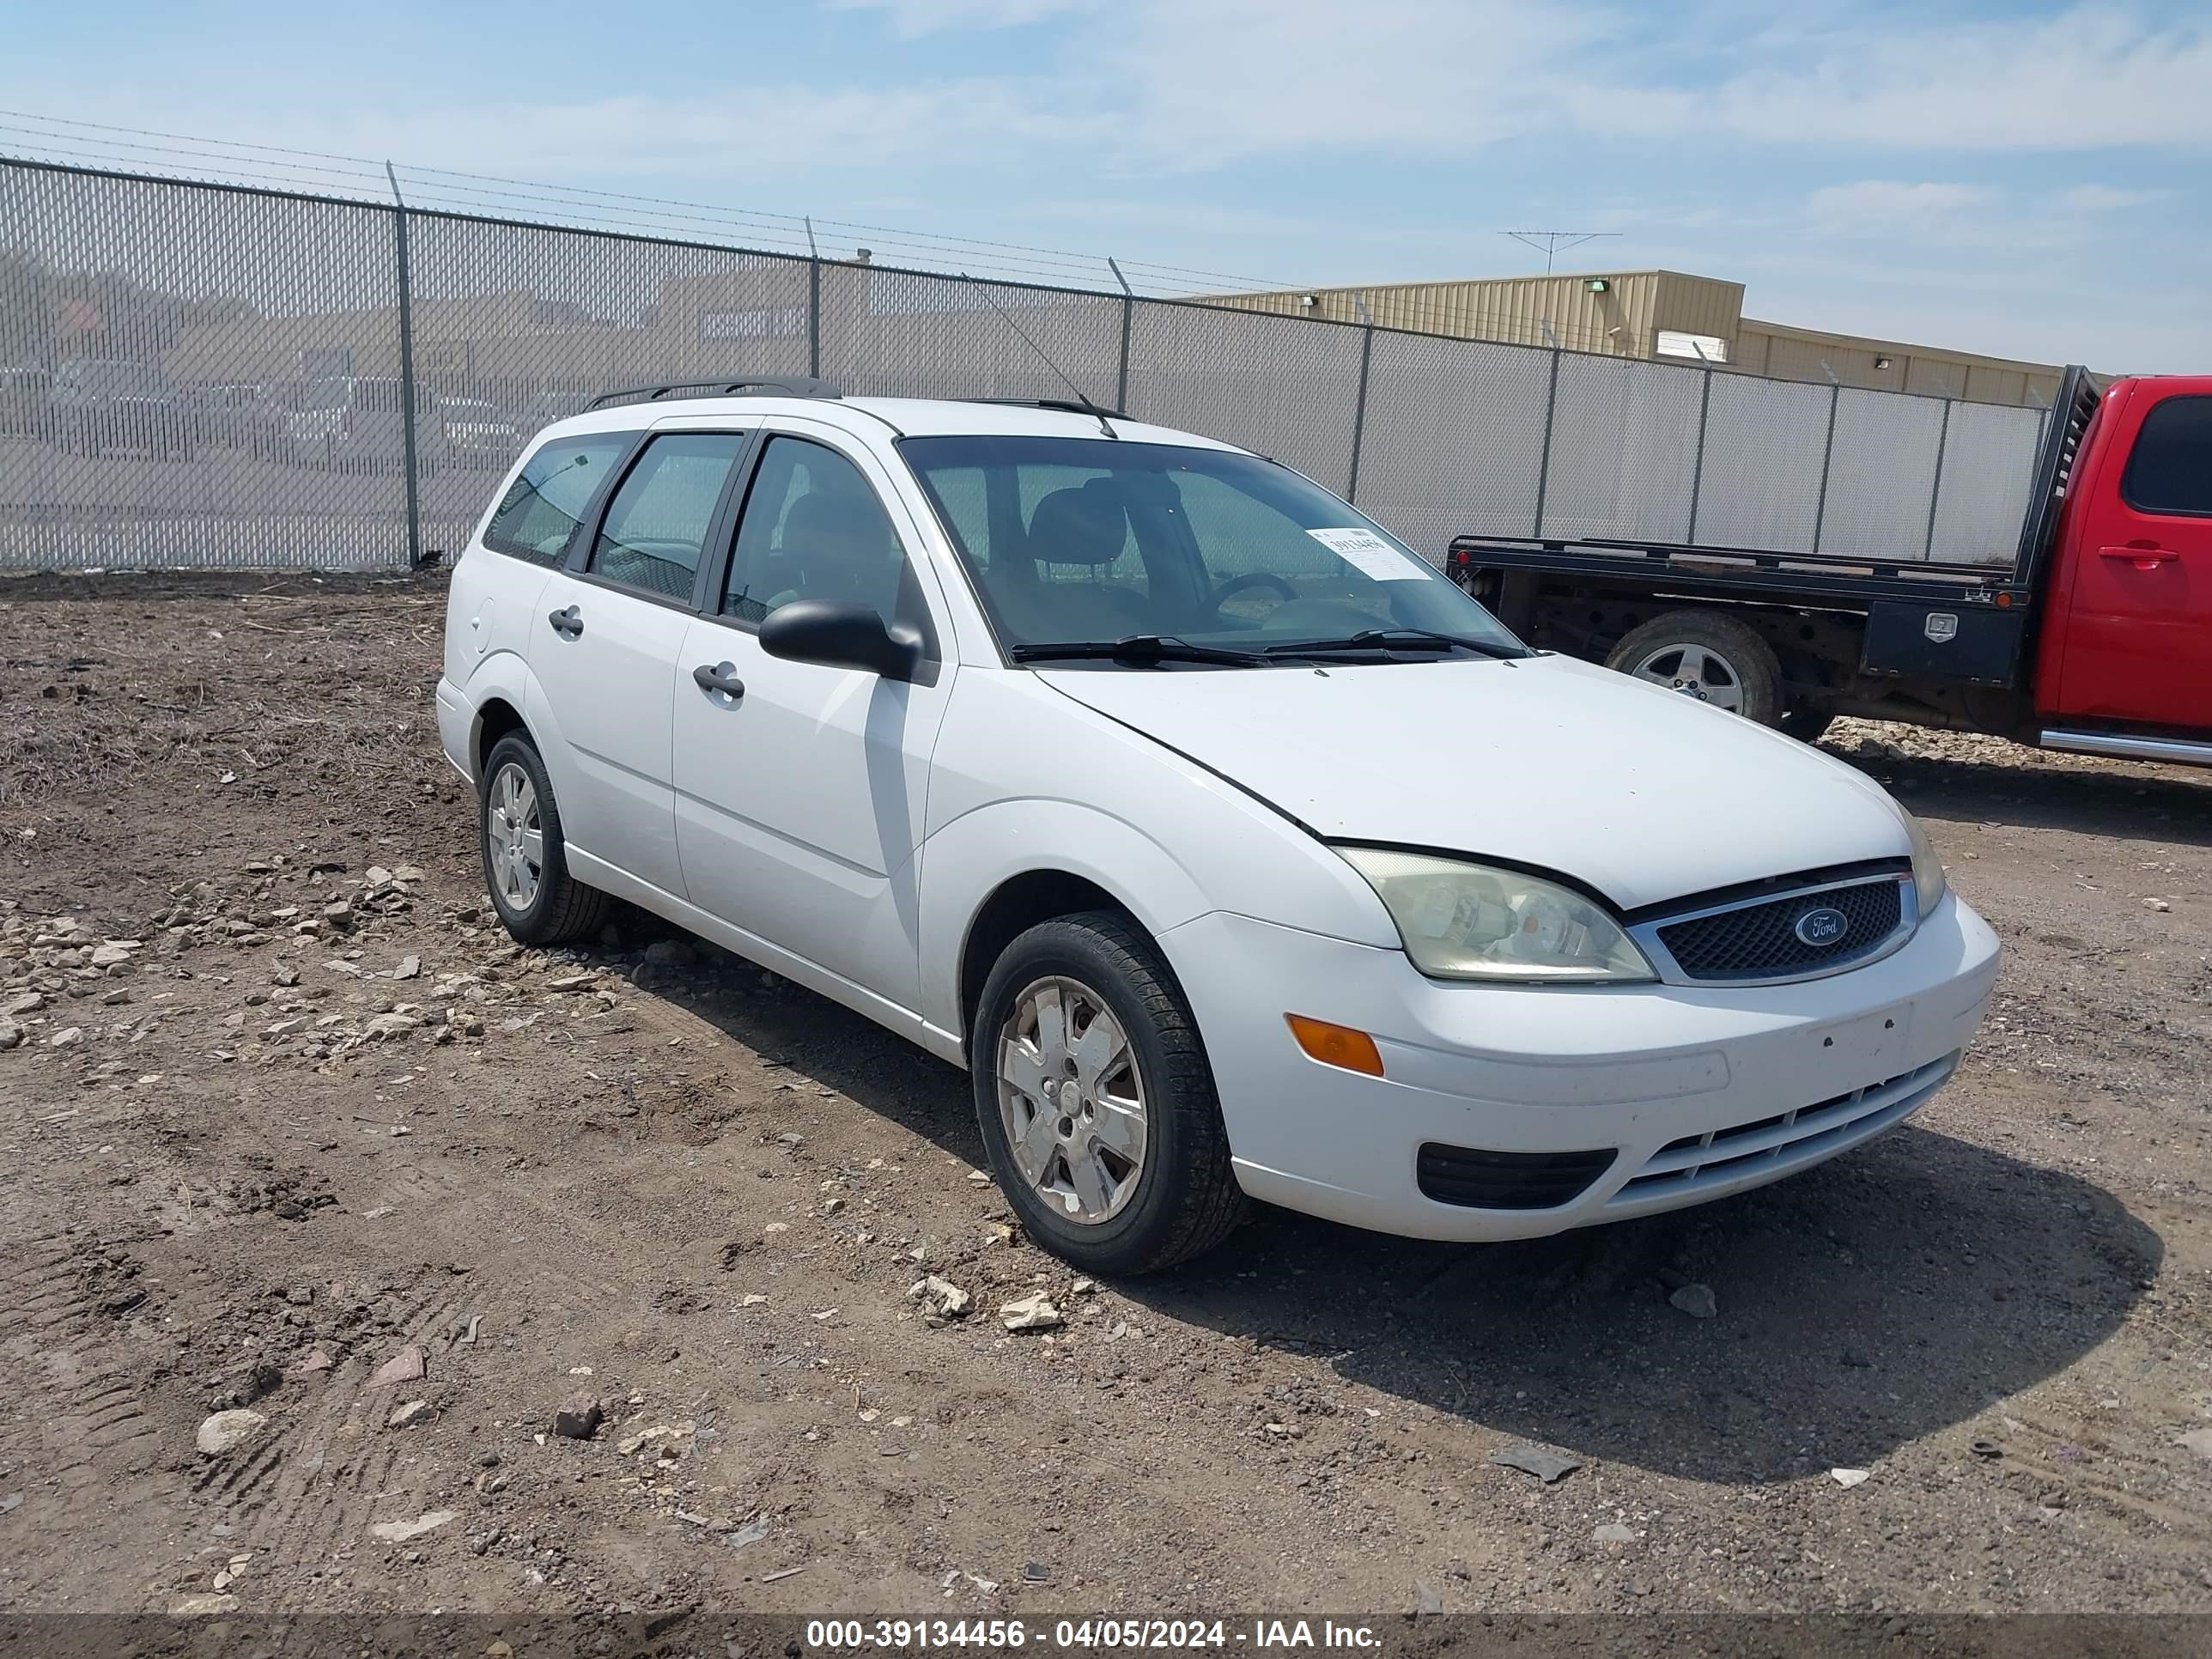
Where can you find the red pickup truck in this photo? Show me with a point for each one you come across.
(2095, 634)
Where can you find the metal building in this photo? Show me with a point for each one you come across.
(1666, 314)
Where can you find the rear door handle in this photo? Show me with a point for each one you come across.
(569, 624)
(719, 677)
(2143, 558)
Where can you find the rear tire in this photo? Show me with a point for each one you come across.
(1706, 655)
(1178, 1198)
(538, 901)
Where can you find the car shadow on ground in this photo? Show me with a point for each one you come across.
(2123, 799)
(1901, 1289)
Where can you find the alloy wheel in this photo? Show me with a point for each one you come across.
(1071, 1099)
(1696, 671)
(514, 836)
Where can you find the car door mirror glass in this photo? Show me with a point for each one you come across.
(841, 636)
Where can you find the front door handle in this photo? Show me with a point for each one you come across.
(568, 623)
(2143, 558)
(719, 677)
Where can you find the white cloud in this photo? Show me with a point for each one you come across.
(2106, 198)
(1211, 81)
(1873, 206)
(915, 18)
(2089, 78)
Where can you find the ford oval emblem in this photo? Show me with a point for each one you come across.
(1823, 927)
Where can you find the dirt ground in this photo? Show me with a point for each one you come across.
(322, 1117)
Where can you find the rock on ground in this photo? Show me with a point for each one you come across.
(227, 1431)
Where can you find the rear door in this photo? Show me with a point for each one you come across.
(604, 649)
(2139, 632)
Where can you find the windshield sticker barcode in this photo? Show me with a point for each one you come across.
(1369, 554)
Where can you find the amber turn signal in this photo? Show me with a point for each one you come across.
(1336, 1045)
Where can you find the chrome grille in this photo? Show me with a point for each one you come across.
(1769, 938)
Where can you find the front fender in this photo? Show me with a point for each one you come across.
(970, 859)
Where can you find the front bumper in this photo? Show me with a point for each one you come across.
(1698, 1092)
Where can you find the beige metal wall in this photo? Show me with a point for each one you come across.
(1804, 354)
(1622, 320)
(1625, 321)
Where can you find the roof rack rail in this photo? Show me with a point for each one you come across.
(797, 385)
(1067, 404)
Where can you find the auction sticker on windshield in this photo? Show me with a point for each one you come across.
(1369, 554)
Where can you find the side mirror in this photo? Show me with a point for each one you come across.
(841, 636)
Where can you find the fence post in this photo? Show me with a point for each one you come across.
(1827, 455)
(1359, 411)
(1936, 490)
(407, 376)
(1544, 462)
(1697, 466)
(813, 303)
(1128, 317)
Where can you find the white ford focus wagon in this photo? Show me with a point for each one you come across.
(1230, 848)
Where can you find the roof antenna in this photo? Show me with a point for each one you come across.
(1081, 396)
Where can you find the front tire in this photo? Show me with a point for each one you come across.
(526, 862)
(1096, 1103)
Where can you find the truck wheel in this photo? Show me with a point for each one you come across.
(1096, 1100)
(1705, 655)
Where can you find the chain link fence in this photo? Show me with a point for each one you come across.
(211, 375)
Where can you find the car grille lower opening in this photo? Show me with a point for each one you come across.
(1783, 1140)
(1477, 1180)
(1761, 941)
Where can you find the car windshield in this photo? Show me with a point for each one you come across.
(1209, 554)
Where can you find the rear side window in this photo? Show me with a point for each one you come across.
(657, 522)
(541, 508)
(2171, 469)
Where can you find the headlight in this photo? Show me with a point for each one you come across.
(1926, 869)
(1474, 921)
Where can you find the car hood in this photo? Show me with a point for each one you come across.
(1545, 762)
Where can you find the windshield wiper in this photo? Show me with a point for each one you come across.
(1397, 639)
(1138, 649)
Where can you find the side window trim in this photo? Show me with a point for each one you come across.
(714, 572)
(577, 560)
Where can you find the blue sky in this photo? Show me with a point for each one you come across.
(2020, 178)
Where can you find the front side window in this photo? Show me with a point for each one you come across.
(659, 518)
(2171, 469)
(813, 528)
(541, 508)
(1093, 541)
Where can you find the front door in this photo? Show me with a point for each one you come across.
(801, 797)
(2139, 628)
(605, 652)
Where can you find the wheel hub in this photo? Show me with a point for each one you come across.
(1071, 1100)
(1694, 670)
(515, 841)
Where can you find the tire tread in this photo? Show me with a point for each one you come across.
(1212, 1205)
(570, 909)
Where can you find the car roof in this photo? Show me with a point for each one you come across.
(910, 417)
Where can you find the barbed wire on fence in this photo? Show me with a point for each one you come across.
(47, 136)
(204, 372)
